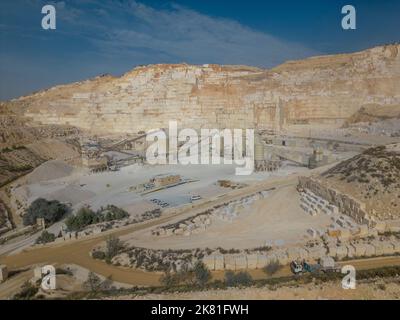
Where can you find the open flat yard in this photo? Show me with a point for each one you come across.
(101, 189)
(272, 220)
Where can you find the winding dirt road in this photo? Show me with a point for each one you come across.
(77, 251)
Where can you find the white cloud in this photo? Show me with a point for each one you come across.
(180, 34)
(95, 37)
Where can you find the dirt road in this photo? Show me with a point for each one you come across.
(77, 251)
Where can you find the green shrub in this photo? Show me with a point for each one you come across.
(242, 278)
(51, 211)
(113, 247)
(46, 237)
(95, 285)
(272, 267)
(202, 274)
(84, 217)
(92, 283)
(100, 255)
(169, 279)
(6, 149)
(199, 276)
(28, 291)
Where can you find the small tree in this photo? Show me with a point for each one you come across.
(98, 254)
(113, 247)
(46, 237)
(169, 279)
(272, 267)
(92, 283)
(106, 285)
(242, 278)
(28, 291)
(202, 274)
(230, 278)
(51, 211)
(84, 217)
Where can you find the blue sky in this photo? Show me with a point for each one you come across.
(94, 37)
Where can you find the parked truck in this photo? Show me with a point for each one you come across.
(296, 267)
(325, 264)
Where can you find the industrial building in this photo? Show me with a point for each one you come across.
(163, 180)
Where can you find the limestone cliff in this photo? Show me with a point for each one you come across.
(326, 90)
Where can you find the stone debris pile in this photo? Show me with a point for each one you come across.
(201, 221)
(193, 225)
(231, 211)
(314, 204)
(257, 260)
(367, 247)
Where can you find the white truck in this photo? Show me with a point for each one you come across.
(326, 265)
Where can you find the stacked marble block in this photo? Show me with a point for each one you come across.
(314, 205)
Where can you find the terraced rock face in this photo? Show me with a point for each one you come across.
(320, 90)
(372, 177)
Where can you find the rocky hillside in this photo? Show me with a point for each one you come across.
(374, 113)
(319, 90)
(373, 177)
(24, 145)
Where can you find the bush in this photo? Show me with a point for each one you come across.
(92, 283)
(46, 237)
(84, 217)
(28, 291)
(116, 213)
(242, 278)
(202, 274)
(230, 279)
(169, 280)
(113, 247)
(100, 255)
(272, 268)
(184, 277)
(51, 211)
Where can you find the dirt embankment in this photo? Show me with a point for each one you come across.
(370, 290)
